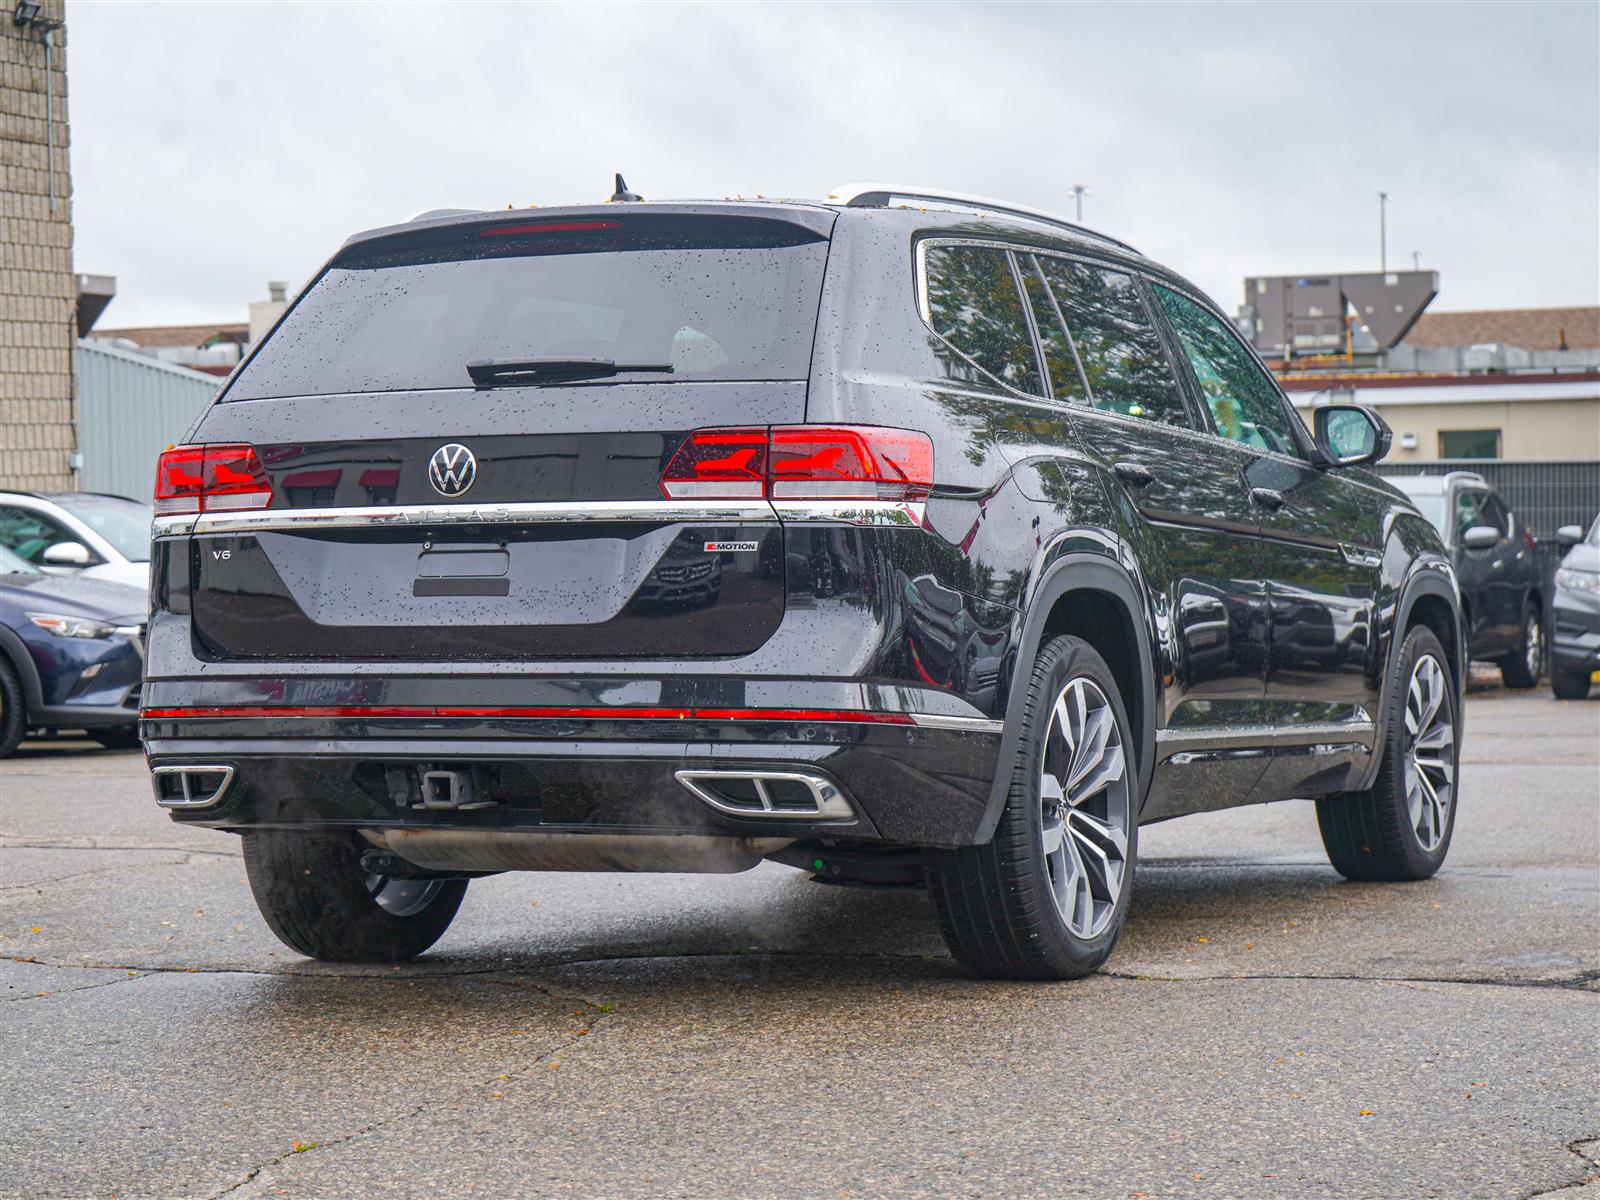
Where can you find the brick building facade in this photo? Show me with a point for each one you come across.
(38, 331)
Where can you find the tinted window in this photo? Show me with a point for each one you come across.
(28, 534)
(1065, 381)
(1468, 513)
(1123, 362)
(973, 304)
(123, 523)
(1243, 399)
(1469, 443)
(1494, 513)
(711, 297)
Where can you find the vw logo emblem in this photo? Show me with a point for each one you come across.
(452, 469)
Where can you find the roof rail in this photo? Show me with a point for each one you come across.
(877, 195)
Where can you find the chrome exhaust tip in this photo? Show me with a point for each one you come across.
(190, 786)
(771, 795)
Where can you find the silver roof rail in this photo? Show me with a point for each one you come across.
(865, 195)
(432, 213)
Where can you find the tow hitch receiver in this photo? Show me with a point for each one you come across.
(453, 789)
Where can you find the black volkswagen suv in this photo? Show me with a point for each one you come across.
(895, 530)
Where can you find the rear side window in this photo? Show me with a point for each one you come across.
(973, 304)
(1494, 513)
(1065, 381)
(1244, 402)
(694, 297)
(1123, 361)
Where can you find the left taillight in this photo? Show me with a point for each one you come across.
(802, 462)
(195, 479)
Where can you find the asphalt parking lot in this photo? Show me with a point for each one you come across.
(1264, 1029)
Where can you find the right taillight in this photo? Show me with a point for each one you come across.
(195, 479)
(802, 462)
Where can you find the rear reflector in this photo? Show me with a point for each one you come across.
(602, 713)
(802, 462)
(193, 479)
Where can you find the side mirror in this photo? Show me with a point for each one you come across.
(67, 554)
(1350, 434)
(1569, 535)
(1481, 537)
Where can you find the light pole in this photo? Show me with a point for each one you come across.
(1416, 260)
(1078, 193)
(1383, 231)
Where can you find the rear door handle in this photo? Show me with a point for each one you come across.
(1131, 472)
(1267, 498)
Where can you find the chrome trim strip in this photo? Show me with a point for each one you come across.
(967, 724)
(1214, 741)
(896, 513)
(657, 511)
(183, 772)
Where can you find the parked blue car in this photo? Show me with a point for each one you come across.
(71, 655)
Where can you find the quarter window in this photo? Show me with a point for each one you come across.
(1123, 363)
(1244, 401)
(973, 304)
(1065, 381)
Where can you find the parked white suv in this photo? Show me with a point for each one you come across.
(86, 534)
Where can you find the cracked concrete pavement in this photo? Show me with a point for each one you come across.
(1264, 1029)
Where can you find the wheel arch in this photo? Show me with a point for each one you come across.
(1429, 599)
(15, 652)
(1091, 596)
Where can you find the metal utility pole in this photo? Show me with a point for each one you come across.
(1078, 193)
(1416, 260)
(1383, 231)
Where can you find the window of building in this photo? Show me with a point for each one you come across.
(974, 305)
(1123, 362)
(1469, 443)
(1244, 401)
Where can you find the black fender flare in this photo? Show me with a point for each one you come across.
(1424, 580)
(13, 650)
(1077, 571)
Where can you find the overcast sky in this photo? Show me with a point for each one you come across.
(216, 146)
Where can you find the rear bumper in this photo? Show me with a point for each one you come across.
(907, 783)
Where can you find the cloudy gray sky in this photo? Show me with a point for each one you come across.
(216, 146)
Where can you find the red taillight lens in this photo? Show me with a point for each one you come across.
(802, 462)
(723, 464)
(192, 479)
(820, 462)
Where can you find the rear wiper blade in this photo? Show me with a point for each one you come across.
(487, 372)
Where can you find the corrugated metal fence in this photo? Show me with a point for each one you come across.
(130, 408)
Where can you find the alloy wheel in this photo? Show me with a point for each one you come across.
(1533, 647)
(1084, 807)
(402, 897)
(1430, 766)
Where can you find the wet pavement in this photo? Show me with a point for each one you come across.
(1264, 1029)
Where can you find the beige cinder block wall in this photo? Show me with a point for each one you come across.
(37, 291)
(1529, 429)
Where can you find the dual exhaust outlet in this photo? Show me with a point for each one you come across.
(790, 795)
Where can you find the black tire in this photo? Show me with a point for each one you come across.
(13, 710)
(1569, 685)
(1515, 670)
(313, 893)
(118, 737)
(1370, 835)
(994, 902)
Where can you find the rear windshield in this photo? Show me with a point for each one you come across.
(711, 297)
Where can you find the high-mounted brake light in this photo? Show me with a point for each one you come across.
(802, 462)
(548, 227)
(194, 479)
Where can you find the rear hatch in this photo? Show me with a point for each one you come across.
(464, 431)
